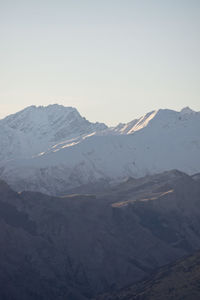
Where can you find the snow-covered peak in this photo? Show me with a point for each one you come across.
(162, 118)
(136, 124)
(40, 116)
(35, 129)
(70, 151)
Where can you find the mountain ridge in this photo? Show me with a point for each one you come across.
(161, 140)
(78, 246)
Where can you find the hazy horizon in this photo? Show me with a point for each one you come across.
(113, 61)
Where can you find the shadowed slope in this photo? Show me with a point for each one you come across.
(177, 281)
(78, 246)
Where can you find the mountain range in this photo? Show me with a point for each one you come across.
(53, 149)
(78, 246)
(89, 211)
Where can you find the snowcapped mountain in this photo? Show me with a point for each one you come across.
(35, 129)
(134, 125)
(79, 152)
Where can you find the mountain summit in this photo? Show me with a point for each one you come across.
(35, 129)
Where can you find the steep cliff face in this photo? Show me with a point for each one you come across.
(78, 246)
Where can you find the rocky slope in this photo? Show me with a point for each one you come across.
(175, 281)
(78, 246)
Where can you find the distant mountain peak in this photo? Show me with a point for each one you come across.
(187, 110)
(36, 128)
(50, 107)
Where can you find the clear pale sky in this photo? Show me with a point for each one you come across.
(113, 60)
